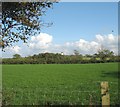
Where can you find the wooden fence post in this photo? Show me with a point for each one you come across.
(90, 103)
(105, 94)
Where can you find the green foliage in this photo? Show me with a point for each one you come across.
(16, 56)
(104, 54)
(58, 84)
(76, 52)
(51, 58)
(21, 20)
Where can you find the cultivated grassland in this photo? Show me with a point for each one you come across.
(58, 83)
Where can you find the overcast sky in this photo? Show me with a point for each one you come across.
(76, 25)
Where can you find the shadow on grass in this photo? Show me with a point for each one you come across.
(114, 74)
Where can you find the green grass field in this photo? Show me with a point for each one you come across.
(58, 83)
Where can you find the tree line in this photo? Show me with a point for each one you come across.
(102, 56)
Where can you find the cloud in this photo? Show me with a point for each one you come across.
(83, 46)
(86, 45)
(10, 51)
(109, 39)
(99, 38)
(110, 42)
(90, 47)
(15, 49)
(44, 43)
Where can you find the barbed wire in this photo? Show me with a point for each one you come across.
(82, 94)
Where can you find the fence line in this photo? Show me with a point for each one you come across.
(54, 96)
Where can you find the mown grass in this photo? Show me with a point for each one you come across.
(65, 84)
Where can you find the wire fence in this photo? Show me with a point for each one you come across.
(58, 95)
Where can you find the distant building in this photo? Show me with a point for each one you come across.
(62, 53)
